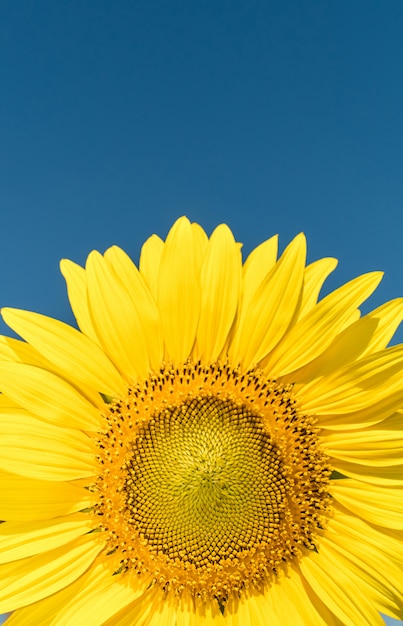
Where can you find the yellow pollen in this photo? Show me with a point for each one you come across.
(210, 480)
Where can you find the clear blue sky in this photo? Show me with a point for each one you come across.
(117, 117)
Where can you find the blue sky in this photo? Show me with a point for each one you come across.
(116, 118)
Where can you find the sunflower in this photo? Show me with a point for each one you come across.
(215, 445)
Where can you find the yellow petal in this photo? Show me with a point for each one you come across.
(261, 609)
(393, 422)
(256, 267)
(150, 260)
(116, 320)
(200, 242)
(71, 351)
(29, 580)
(373, 583)
(378, 505)
(391, 475)
(135, 285)
(366, 447)
(19, 540)
(374, 552)
(209, 614)
(15, 350)
(294, 602)
(179, 291)
(388, 317)
(237, 611)
(35, 449)
(22, 352)
(139, 612)
(76, 281)
(314, 277)
(164, 614)
(338, 591)
(189, 613)
(6, 404)
(380, 545)
(355, 386)
(91, 599)
(184, 610)
(220, 282)
(272, 307)
(365, 336)
(48, 396)
(318, 328)
(25, 499)
(369, 416)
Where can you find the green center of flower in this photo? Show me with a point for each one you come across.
(210, 480)
(204, 483)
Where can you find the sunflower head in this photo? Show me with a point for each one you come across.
(222, 480)
(213, 443)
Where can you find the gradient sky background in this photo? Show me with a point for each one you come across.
(118, 117)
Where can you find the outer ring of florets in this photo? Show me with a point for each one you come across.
(164, 439)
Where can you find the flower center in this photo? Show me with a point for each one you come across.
(204, 483)
(210, 479)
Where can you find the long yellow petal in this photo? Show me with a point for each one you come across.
(15, 350)
(351, 528)
(377, 553)
(338, 591)
(25, 499)
(388, 317)
(150, 260)
(378, 505)
(237, 611)
(391, 475)
(29, 580)
(6, 404)
(139, 612)
(314, 277)
(272, 307)
(72, 352)
(91, 599)
(135, 285)
(319, 327)
(35, 449)
(22, 352)
(76, 281)
(19, 540)
(207, 614)
(374, 583)
(393, 423)
(262, 610)
(200, 243)
(116, 320)
(184, 610)
(255, 269)
(220, 283)
(367, 447)
(47, 396)
(355, 386)
(179, 291)
(369, 416)
(164, 614)
(294, 602)
(365, 336)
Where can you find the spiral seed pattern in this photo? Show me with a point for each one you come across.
(210, 480)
